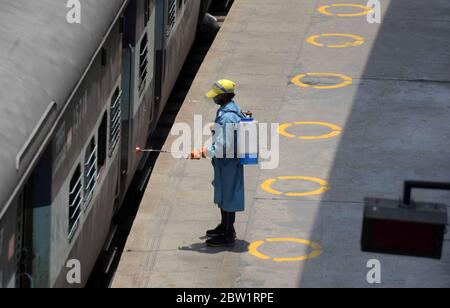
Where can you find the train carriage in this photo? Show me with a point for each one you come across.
(75, 101)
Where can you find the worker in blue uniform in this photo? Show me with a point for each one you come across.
(228, 172)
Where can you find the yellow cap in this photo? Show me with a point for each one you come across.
(223, 86)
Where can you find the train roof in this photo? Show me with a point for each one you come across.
(42, 58)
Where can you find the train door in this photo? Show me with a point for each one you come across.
(144, 67)
(129, 32)
(125, 108)
(137, 82)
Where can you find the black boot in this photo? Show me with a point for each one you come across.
(221, 241)
(228, 236)
(220, 229)
(216, 232)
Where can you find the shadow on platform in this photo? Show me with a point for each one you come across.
(240, 247)
(394, 132)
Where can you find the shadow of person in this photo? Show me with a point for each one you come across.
(241, 246)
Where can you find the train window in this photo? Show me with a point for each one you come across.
(143, 65)
(90, 171)
(102, 142)
(114, 129)
(171, 16)
(75, 201)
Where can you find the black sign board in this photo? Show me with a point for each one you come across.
(405, 227)
(390, 228)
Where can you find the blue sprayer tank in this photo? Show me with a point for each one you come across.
(248, 147)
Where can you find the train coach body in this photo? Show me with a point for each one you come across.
(76, 100)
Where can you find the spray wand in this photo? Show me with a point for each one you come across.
(140, 150)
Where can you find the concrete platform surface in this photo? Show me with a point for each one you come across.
(395, 126)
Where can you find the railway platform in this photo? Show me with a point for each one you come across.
(362, 107)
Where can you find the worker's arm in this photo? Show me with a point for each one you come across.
(216, 147)
(225, 137)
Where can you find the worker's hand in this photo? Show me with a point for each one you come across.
(198, 154)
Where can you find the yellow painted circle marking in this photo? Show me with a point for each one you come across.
(335, 130)
(267, 186)
(356, 40)
(255, 246)
(365, 10)
(346, 80)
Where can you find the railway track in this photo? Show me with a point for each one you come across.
(108, 261)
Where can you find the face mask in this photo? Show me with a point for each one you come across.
(217, 100)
